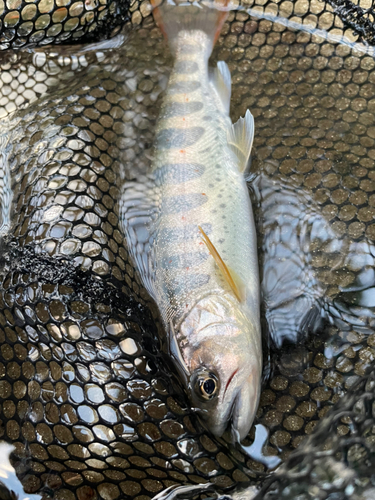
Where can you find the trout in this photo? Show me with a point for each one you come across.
(192, 228)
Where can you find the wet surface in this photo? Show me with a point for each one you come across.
(27, 24)
(86, 397)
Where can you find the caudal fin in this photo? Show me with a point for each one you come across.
(172, 17)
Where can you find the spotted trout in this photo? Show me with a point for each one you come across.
(193, 231)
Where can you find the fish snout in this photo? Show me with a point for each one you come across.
(244, 409)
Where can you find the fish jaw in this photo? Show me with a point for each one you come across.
(245, 407)
(238, 409)
(218, 338)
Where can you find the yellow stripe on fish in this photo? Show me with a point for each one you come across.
(222, 266)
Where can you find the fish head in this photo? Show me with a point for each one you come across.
(222, 355)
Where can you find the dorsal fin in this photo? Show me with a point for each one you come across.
(222, 266)
(221, 80)
(240, 138)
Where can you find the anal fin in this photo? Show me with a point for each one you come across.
(240, 138)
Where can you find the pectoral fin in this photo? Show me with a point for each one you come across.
(175, 353)
(138, 213)
(240, 138)
(222, 266)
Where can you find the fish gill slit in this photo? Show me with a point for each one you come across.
(230, 380)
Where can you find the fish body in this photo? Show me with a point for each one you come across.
(201, 196)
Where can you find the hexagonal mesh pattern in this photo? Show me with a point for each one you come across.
(85, 394)
(43, 22)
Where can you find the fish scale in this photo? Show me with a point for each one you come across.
(207, 199)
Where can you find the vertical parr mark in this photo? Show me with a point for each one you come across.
(184, 87)
(178, 138)
(190, 232)
(189, 48)
(178, 173)
(187, 282)
(186, 67)
(184, 260)
(183, 203)
(181, 108)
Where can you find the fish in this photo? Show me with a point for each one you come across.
(193, 230)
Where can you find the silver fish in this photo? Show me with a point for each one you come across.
(201, 266)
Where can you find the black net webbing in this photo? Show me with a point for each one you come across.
(86, 397)
(45, 22)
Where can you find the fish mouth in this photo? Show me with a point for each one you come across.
(241, 417)
(237, 419)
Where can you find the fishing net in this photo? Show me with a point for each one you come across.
(44, 22)
(358, 18)
(337, 460)
(87, 399)
(25, 24)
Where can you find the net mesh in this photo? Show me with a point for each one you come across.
(45, 22)
(85, 395)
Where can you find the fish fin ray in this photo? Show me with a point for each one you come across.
(240, 138)
(175, 353)
(172, 18)
(138, 211)
(221, 80)
(221, 264)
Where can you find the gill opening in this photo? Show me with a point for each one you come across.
(230, 380)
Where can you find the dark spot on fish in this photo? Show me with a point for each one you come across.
(184, 87)
(222, 205)
(183, 203)
(207, 118)
(210, 185)
(185, 260)
(178, 138)
(186, 233)
(177, 173)
(189, 48)
(186, 67)
(182, 108)
(187, 282)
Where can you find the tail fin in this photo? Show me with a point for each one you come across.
(174, 16)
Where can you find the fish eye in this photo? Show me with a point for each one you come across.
(206, 385)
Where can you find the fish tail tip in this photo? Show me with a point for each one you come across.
(175, 16)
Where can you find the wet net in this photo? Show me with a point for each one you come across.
(45, 22)
(358, 18)
(87, 399)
